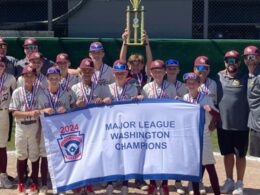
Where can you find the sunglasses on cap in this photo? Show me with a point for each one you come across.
(201, 68)
(53, 71)
(231, 60)
(120, 67)
(31, 47)
(190, 75)
(172, 62)
(250, 57)
(3, 46)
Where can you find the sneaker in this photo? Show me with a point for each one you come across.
(190, 188)
(21, 189)
(202, 188)
(152, 190)
(124, 190)
(141, 185)
(179, 188)
(43, 190)
(5, 182)
(89, 190)
(227, 187)
(109, 189)
(238, 188)
(33, 189)
(164, 190)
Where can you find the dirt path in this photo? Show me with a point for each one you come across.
(251, 181)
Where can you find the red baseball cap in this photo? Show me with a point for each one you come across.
(201, 61)
(28, 69)
(62, 57)
(86, 63)
(231, 54)
(95, 47)
(30, 41)
(157, 64)
(35, 55)
(2, 41)
(251, 50)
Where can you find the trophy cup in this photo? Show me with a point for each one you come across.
(135, 15)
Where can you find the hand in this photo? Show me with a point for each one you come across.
(80, 103)
(107, 100)
(49, 111)
(207, 108)
(98, 100)
(61, 109)
(145, 38)
(212, 124)
(140, 97)
(35, 113)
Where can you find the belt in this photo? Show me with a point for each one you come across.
(255, 131)
(28, 122)
(3, 109)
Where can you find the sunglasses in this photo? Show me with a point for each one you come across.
(120, 67)
(202, 68)
(250, 57)
(3, 46)
(231, 60)
(31, 47)
(190, 75)
(172, 62)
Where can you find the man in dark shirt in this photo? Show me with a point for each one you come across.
(31, 45)
(232, 128)
(252, 60)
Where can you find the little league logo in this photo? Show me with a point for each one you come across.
(71, 145)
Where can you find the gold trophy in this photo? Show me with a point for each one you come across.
(137, 16)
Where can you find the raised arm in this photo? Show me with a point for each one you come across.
(123, 51)
(149, 55)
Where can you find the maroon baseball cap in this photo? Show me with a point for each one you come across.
(28, 69)
(62, 57)
(30, 41)
(157, 64)
(95, 47)
(35, 55)
(86, 63)
(2, 41)
(251, 50)
(231, 54)
(201, 61)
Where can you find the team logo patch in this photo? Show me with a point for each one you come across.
(202, 60)
(231, 53)
(71, 145)
(235, 83)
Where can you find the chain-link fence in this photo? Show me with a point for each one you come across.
(37, 15)
(227, 19)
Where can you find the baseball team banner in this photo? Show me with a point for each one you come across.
(151, 139)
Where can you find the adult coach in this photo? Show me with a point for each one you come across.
(252, 59)
(30, 46)
(232, 129)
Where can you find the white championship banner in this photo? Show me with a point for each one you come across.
(151, 139)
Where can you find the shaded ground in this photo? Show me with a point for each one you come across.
(251, 181)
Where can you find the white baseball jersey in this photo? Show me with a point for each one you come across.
(61, 99)
(67, 83)
(23, 100)
(209, 88)
(204, 99)
(7, 83)
(152, 90)
(104, 76)
(89, 93)
(181, 90)
(40, 81)
(117, 93)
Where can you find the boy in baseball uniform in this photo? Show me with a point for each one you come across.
(192, 82)
(24, 108)
(207, 85)
(7, 84)
(158, 88)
